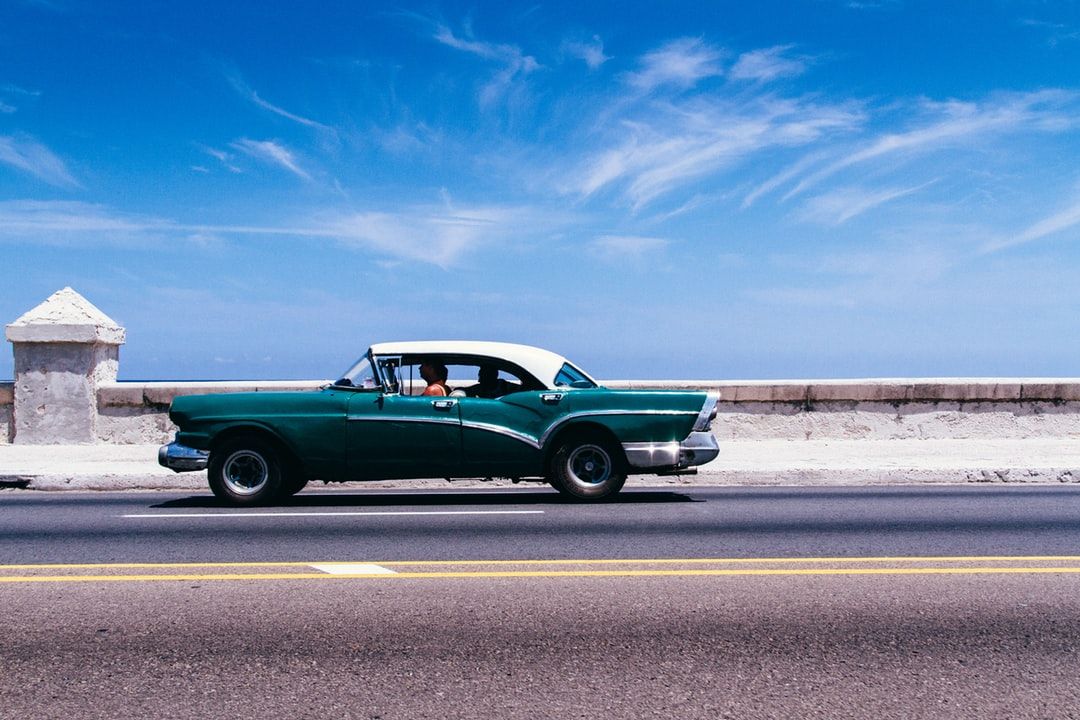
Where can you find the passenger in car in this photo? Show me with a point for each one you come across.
(491, 385)
(434, 374)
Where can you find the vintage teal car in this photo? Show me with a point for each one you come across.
(493, 410)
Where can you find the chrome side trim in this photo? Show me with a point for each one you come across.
(181, 458)
(708, 411)
(395, 418)
(651, 455)
(500, 430)
(522, 437)
(599, 413)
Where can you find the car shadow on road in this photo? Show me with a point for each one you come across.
(398, 498)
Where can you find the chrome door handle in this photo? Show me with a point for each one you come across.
(443, 404)
(551, 398)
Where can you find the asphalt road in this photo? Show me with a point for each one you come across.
(532, 523)
(703, 602)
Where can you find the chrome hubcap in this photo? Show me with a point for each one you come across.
(245, 472)
(589, 465)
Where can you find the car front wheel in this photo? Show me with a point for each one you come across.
(586, 469)
(245, 471)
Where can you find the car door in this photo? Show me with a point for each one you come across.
(501, 437)
(402, 436)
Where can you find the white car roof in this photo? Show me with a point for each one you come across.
(544, 365)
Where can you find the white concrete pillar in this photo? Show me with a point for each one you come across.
(64, 348)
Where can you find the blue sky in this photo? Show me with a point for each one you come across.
(828, 188)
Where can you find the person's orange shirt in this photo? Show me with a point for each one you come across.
(436, 389)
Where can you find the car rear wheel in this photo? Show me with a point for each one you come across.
(293, 483)
(245, 471)
(586, 469)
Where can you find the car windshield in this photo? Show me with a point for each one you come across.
(361, 375)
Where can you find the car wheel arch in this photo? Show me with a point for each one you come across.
(260, 432)
(583, 430)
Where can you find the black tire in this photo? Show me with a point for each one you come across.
(586, 468)
(246, 470)
(294, 482)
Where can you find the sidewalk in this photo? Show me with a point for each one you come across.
(766, 462)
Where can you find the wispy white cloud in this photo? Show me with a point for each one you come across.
(10, 94)
(626, 248)
(1058, 222)
(767, 64)
(693, 203)
(514, 63)
(430, 234)
(272, 152)
(436, 234)
(487, 50)
(246, 91)
(214, 152)
(406, 137)
(424, 234)
(841, 204)
(591, 53)
(963, 123)
(13, 89)
(226, 159)
(58, 222)
(874, 4)
(680, 143)
(785, 175)
(1056, 32)
(681, 63)
(25, 153)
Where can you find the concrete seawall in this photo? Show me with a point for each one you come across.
(891, 409)
(7, 407)
(132, 413)
(895, 409)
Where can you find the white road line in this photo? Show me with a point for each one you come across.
(332, 514)
(354, 569)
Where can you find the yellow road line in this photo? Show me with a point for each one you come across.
(134, 566)
(588, 561)
(689, 572)
(745, 561)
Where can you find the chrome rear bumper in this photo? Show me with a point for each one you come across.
(697, 449)
(182, 458)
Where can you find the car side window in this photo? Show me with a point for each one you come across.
(570, 376)
(388, 370)
(489, 381)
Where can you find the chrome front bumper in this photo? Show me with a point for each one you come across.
(182, 458)
(697, 449)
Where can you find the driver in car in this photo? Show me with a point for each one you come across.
(434, 374)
